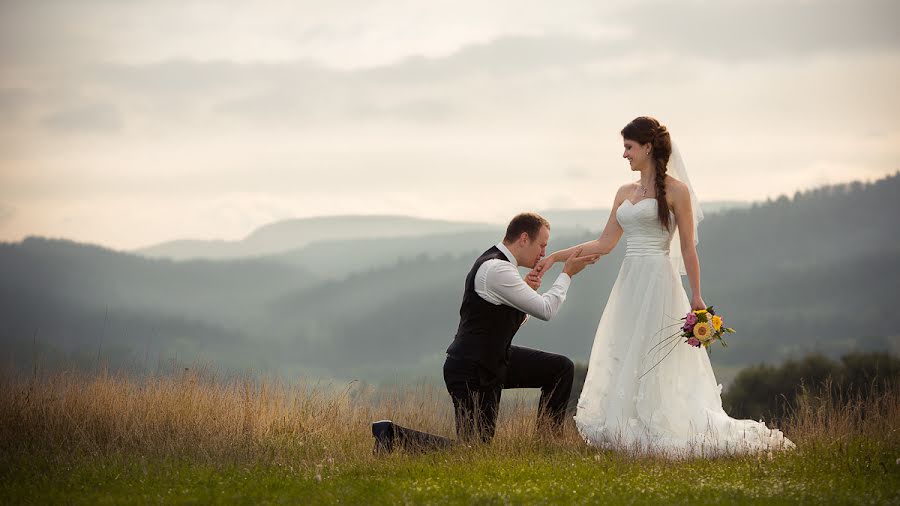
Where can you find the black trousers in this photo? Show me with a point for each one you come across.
(476, 391)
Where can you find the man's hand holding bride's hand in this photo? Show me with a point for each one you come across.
(533, 279)
(575, 263)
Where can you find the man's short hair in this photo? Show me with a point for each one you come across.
(530, 223)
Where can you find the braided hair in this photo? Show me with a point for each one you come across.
(647, 130)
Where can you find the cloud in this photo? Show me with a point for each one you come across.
(485, 69)
(416, 89)
(504, 56)
(663, 38)
(6, 212)
(576, 173)
(13, 103)
(95, 117)
(561, 201)
(736, 30)
(354, 34)
(342, 105)
(422, 111)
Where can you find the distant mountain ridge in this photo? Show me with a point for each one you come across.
(286, 235)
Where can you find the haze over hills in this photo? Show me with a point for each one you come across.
(292, 234)
(76, 298)
(327, 244)
(819, 271)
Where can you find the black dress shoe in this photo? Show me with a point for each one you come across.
(383, 431)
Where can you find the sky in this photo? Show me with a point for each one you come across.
(130, 123)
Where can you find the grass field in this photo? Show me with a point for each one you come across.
(193, 437)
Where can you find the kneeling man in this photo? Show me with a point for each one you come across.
(481, 360)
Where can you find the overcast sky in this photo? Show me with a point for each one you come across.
(130, 123)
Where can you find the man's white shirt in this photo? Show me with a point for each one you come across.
(499, 282)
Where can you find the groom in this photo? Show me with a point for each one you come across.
(482, 361)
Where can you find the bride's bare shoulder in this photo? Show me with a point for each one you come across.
(623, 192)
(675, 186)
(625, 188)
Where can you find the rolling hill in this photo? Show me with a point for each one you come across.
(816, 271)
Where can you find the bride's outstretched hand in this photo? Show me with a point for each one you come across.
(543, 266)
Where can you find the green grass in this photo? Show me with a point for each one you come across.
(861, 472)
(108, 439)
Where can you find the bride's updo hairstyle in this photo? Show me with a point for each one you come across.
(646, 130)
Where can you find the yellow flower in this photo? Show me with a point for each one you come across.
(717, 322)
(699, 311)
(702, 331)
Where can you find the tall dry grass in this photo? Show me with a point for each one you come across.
(826, 415)
(199, 416)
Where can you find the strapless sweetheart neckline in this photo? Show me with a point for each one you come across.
(639, 201)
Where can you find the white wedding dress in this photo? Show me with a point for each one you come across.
(675, 409)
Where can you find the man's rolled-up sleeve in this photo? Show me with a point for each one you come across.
(504, 283)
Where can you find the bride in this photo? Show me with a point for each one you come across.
(673, 407)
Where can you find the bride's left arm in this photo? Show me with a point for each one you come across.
(684, 217)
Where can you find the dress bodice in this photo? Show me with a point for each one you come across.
(644, 236)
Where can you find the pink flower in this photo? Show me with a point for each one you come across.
(690, 319)
(693, 341)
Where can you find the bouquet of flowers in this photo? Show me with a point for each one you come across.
(701, 327)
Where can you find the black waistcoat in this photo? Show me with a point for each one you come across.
(485, 330)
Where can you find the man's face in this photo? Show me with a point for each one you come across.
(534, 250)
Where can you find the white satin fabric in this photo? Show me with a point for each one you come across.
(675, 409)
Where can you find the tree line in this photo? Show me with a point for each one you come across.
(771, 392)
